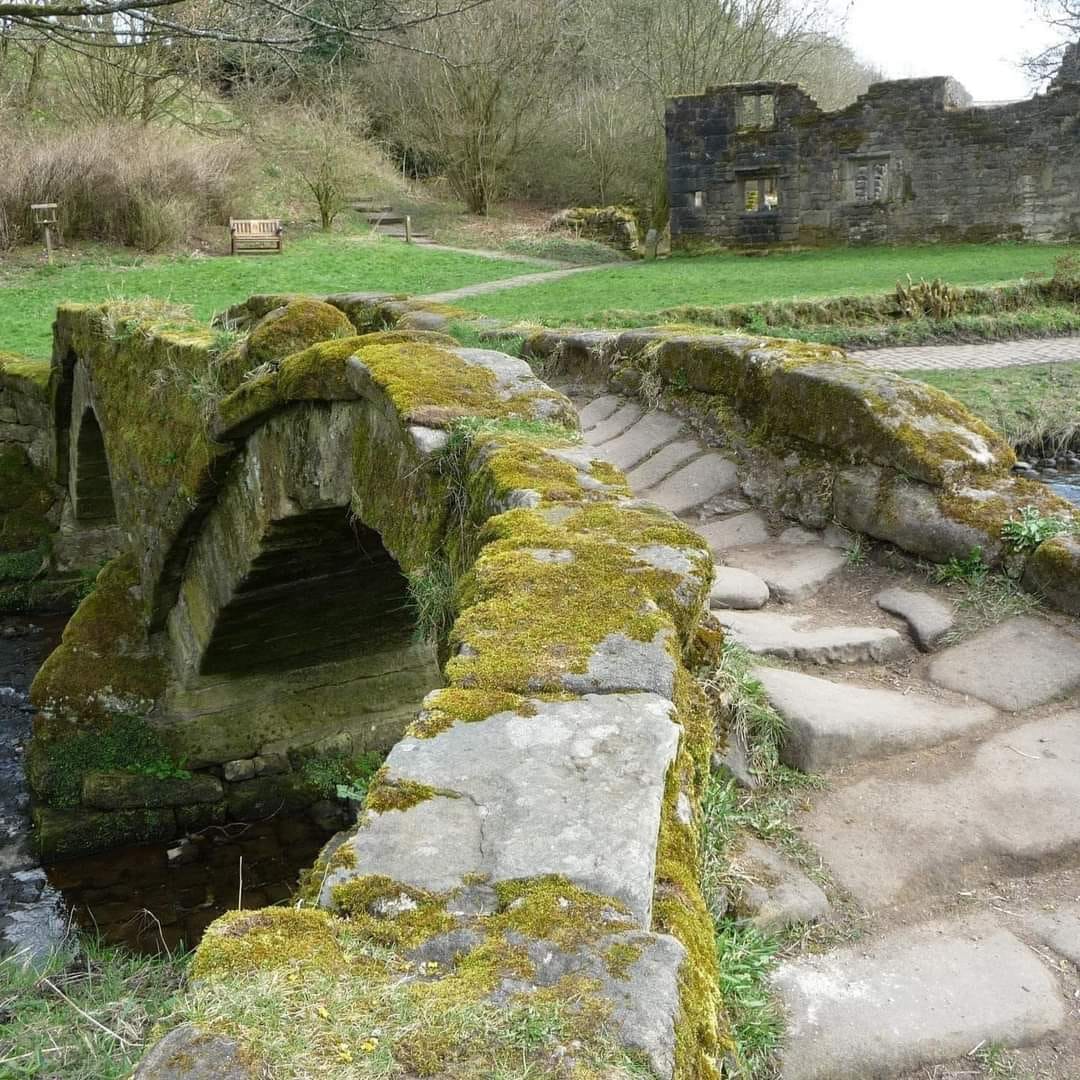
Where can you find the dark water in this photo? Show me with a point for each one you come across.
(137, 895)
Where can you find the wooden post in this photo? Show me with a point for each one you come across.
(45, 215)
(408, 229)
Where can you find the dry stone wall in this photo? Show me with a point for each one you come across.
(913, 160)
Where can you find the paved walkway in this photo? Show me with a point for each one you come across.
(947, 837)
(991, 354)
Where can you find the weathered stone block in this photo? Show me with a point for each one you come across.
(128, 791)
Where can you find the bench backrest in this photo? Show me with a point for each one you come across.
(256, 227)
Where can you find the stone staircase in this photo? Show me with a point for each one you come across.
(948, 828)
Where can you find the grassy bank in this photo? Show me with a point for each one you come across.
(1033, 406)
(611, 296)
(314, 263)
(87, 1013)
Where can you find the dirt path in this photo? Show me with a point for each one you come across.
(940, 861)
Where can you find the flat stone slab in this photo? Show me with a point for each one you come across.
(790, 637)
(701, 479)
(615, 424)
(1016, 665)
(832, 724)
(648, 435)
(740, 530)
(739, 589)
(919, 997)
(928, 618)
(793, 571)
(598, 409)
(1060, 930)
(780, 894)
(663, 463)
(575, 789)
(1009, 808)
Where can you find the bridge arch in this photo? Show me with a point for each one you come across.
(293, 620)
(91, 479)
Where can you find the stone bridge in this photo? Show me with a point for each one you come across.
(333, 533)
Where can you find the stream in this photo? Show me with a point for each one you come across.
(148, 897)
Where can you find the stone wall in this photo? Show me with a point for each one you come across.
(912, 160)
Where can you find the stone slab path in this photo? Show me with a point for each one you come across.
(947, 830)
(518, 281)
(990, 354)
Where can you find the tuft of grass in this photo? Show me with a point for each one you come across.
(86, 1012)
(746, 957)
(981, 597)
(433, 598)
(855, 554)
(750, 716)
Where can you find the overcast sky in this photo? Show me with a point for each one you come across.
(980, 42)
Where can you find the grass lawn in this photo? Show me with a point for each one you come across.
(315, 263)
(597, 298)
(1027, 404)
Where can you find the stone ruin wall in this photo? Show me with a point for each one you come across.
(909, 161)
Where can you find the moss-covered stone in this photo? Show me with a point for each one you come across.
(1053, 571)
(241, 943)
(26, 498)
(293, 328)
(116, 789)
(24, 373)
(66, 834)
(105, 665)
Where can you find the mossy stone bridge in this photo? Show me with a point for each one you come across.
(329, 531)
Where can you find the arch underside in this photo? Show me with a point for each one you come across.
(293, 623)
(93, 484)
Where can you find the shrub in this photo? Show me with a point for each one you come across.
(135, 185)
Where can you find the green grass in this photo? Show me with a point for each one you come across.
(1030, 406)
(601, 296)
(314, 263)
(85, 1013)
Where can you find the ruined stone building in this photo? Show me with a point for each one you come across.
(912, 160)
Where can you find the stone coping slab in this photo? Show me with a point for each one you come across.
(574, 789)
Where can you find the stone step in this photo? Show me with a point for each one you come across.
(653, 431)
(615, 424)
(1008, 808)
(663, 463)
(598, 409)
(776, 893)
(789, 637)
(737, 589)
(694, 483)
(739, 530)
(831, 724)
(793, 571)
(1016, 665)
(916, 998)
(929, 619)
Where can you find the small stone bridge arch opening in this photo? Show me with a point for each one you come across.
(91, 480)
(293, 622)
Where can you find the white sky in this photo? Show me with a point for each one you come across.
(979, 42)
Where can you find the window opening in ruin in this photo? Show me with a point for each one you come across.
(757, 112)
(698, 199)
(870, 181)
(760, 193)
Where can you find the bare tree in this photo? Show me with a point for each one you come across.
(1064, 17)
(476, 89)
(289, 26)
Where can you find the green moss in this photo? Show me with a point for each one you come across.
(104, 664)
(446, 707)
(25, 501)
(33, 373)
(621, 957)
(385, 795)
(390, 913)
(241, 943)
(302, 323)
(553, 909)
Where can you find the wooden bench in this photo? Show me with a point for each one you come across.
(255, 236)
